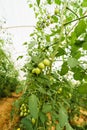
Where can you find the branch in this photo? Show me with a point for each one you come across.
(72, 11)
(23, 26)
(75, 20)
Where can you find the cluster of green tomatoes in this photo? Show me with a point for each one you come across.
(41, 66)
(24, 110)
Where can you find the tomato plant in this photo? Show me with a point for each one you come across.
(56, 73)
(8, 73)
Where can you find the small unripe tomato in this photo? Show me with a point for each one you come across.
(18, 129)
(51, 21)
(47, 24)
(41, 65)
(37, 71)
(21, 114)
(46, 62)
(48, 16)
(33, 71)
(25, 114)
(56, 11)
(28, 111)
(70, 95)
(59, 90)
(23, 105)
(33, 121)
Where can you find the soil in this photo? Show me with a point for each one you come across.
(5, 109)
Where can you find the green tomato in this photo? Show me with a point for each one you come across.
(51, 21)
(46, 62)
(21, 108)
(25, 114)
(44, 21)
(70, 95)
(41, 65)
(48, 16)
(25, 110)
(33, 71)
(33, 121)
(28, 111)
(56, 11)
(37, 71)
(47, 24)
(23, 105)
(21, 114)
(18, 129)
(59, 90)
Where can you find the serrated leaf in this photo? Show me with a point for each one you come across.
(72, 62)
(58, 2)
(46, 108)
(33, 106)
(64, 69)
(38, 2)
(63, 118)
(83, 88)
(80, 28)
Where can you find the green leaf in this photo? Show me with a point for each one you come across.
(68, 127)
(46, 108)
(30, 5)
(33, 106)
(64, 69)
(25, 43)
(72, 62)
(85, 45)
(83, 88)
(38, 2)
(79, 43)
(42, 90)
(42, 117)
(58, 127)
(73, 38)
(55, 18)
(84, 4)
(79, 74)
(58, 2)
(80, 28)
(60, 52)
(63, 118)
(27, 124)
(49, 1)
(20, 57)
(47, 38)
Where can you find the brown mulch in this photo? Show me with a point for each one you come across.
(7, 124)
